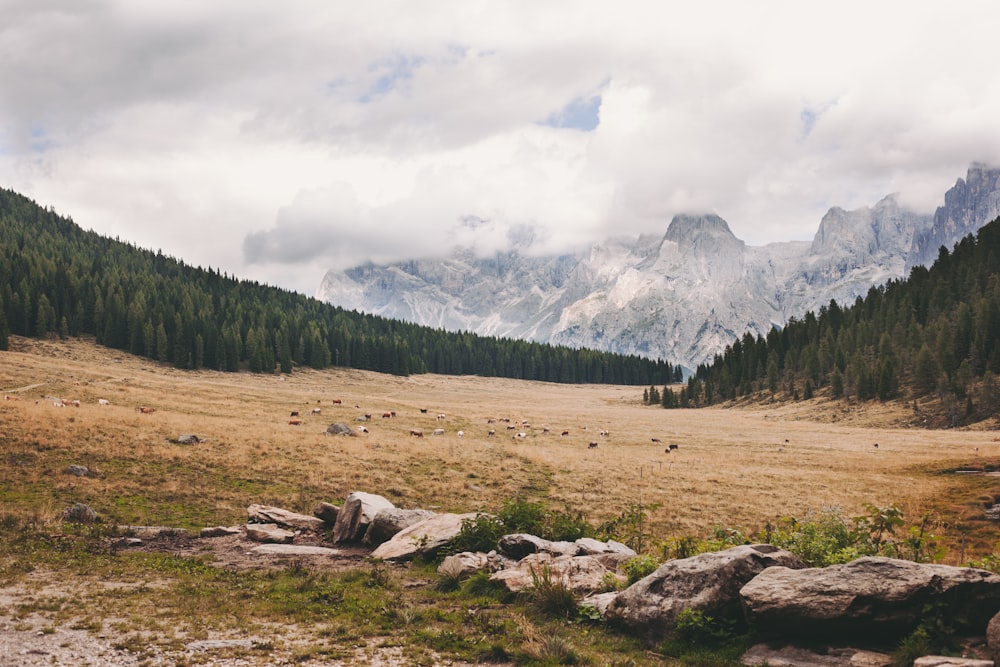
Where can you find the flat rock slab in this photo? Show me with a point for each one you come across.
(424, 538)
(213, 644)
(283, 517)
(268, 532)
(946, 661)
(219, 531)
(793, 656)
(294, 550)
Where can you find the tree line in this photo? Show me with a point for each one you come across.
(934, 335)
(57, 279)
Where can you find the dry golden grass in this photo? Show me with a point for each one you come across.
(735, 467)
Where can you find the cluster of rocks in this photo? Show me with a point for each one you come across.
(871, 602)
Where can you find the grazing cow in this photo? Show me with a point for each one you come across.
(604, 434)
(58, 404)
(510, 427)
(144, 410)
(337, 401)
(317, 411)
(416, 433)
(545, 429)
(73, 403)
(386, 415)
(423, 411)
(505, 420)
(103, 401)
(673, 446)
(876, 445)
(440, 416)
(438, 431)
(461, 434)
(491, 420)
(295, 422)
(524, 422)
(667, 450)
(656, 440)
(592, 445)
(368, 417)
(491, 433)
(11, 398)
(295, 413)
(564, 433)
(362, 429)
(520, 436)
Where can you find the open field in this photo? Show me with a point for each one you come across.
(737, 467)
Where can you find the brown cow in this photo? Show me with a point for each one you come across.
(386, 415)
(491, 433)
(144, 410)
(565, 433)
(416, 432)
(295, 422)
(295, 413)
(592, 445)
(336, 401)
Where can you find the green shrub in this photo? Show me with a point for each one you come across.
(480, 533)
(638, 567)
(551, 597)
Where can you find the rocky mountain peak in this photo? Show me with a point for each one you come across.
(702, 234)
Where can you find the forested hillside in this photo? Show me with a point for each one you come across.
(935, 335)
(59, 280)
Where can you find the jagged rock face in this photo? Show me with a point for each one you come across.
(969, 205)
(682, 297)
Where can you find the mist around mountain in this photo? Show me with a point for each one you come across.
(681, 297)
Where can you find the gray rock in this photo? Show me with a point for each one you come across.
(464, 564)
(581, 574)
(294, 550)
(188, 439)
(993, 637)
(591, 547)
(424, 538)
(948, 661)
(219, 531)
(388, 522)
(793, 656)
(869, 598)
(282, 517)
(268, 532)
(211, 644)
(78, 470)
(708, 582)
(326, 512)
(79, 513)
(357, 514)
(599, 601)
(339, 428)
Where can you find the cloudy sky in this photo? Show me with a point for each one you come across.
(277, 140)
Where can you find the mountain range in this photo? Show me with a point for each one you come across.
(681, 297)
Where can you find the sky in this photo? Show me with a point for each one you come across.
(275, 141)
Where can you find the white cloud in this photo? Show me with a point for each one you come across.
(277, 141)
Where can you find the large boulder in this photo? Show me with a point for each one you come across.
(339, 428)
(581, 574)
(708, 582)
(356, 515)
(388, 522)
(424, 538)
(872, 598)
(282, 517)
(993, 637)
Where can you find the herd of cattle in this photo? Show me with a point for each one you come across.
(519, 430)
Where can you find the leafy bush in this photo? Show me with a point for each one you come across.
(638, 567)
(480, 533)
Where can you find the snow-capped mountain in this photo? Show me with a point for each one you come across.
(681, 297)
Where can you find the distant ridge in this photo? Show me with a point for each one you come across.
(683, 296)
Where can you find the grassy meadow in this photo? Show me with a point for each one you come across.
(739, 467)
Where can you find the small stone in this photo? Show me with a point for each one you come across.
(78, 470)
(79, 513)
(219, 531)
